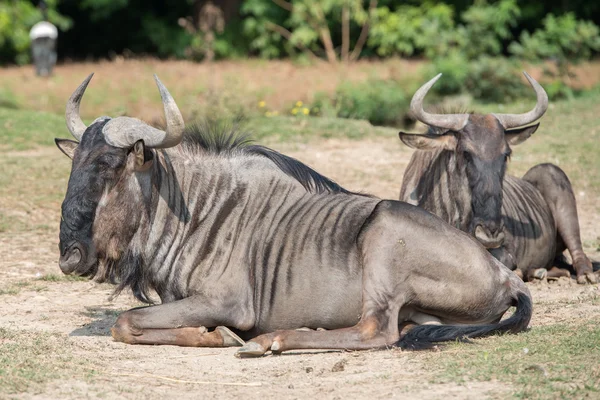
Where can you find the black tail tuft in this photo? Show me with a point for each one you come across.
(426, 336)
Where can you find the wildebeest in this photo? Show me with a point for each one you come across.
(458, 173)
(243, 239)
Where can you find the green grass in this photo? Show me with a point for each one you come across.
(548, 362)
(22, 130)
(303, 129)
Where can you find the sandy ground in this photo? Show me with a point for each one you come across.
(82, 313)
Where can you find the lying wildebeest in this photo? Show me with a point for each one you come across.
(237, 236)
(458, 173)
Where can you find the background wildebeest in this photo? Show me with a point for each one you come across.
(237, 236)
(458, 173)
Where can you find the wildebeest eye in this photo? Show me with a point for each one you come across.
(467, 156)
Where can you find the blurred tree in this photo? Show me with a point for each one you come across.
(427, 28)
(210, 21)
(16, 19)
(309, 26)
(563, 39)
(334, 29)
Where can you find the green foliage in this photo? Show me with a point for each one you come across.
(430, 29)
(455, 70)
(486, 26)
(495, 79)
(16, 19)
(557, 89)
(259, 15)
(486, 79)
(168, 39)
(102, 9)
(305, 25)
(413, 29)
(563, 39)
(381, 102)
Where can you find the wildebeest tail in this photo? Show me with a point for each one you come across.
(426, 336)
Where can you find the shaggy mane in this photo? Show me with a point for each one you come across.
(229, 140)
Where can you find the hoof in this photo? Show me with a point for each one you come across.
(540, 273)
(589, 277)
(250, 349)
(230, 339)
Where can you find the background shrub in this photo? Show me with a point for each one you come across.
(381, 102)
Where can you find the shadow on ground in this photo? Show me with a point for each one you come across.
(104, 319)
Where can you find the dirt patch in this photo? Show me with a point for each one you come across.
(81, 313)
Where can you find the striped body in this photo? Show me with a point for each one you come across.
(209, 216)
(435, 181)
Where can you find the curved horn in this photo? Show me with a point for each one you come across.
(74, 122)
(449, 121)
(125, 131)
(175, 124)
(514, 120)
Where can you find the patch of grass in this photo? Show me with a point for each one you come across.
(303, 129)
(28, 360)
(22, 130)
(10, 291)
(13, 289)
(558, 361)
(62, 278)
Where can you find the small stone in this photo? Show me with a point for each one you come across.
(338, 366)
(309, 369)
(290, 386)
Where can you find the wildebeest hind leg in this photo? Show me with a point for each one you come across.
(556, 189)
(367, 334)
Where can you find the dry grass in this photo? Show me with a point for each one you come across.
(127, 87)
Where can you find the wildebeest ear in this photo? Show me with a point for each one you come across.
(519, 135)
(66, 146)
(446, 141)
(142, 157)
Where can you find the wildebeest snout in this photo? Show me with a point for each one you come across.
(69, 261)
(491, 237)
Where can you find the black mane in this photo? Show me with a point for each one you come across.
(222, 139)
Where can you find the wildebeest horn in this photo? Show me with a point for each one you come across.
(74, 122)
(514, 120)
(125, 131)
(449, 121)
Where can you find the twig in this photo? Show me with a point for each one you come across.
(325, 34)
(284, 4)
(345, 33)
(364, 33)
(166, 378)
(288, 35)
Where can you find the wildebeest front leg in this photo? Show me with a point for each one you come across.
(180, 323)
(556, 189)
(367, 334)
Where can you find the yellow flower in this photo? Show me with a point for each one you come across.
(305, 111)
(268, 114)
(262, 104)
(299, 103)
(294, 111)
